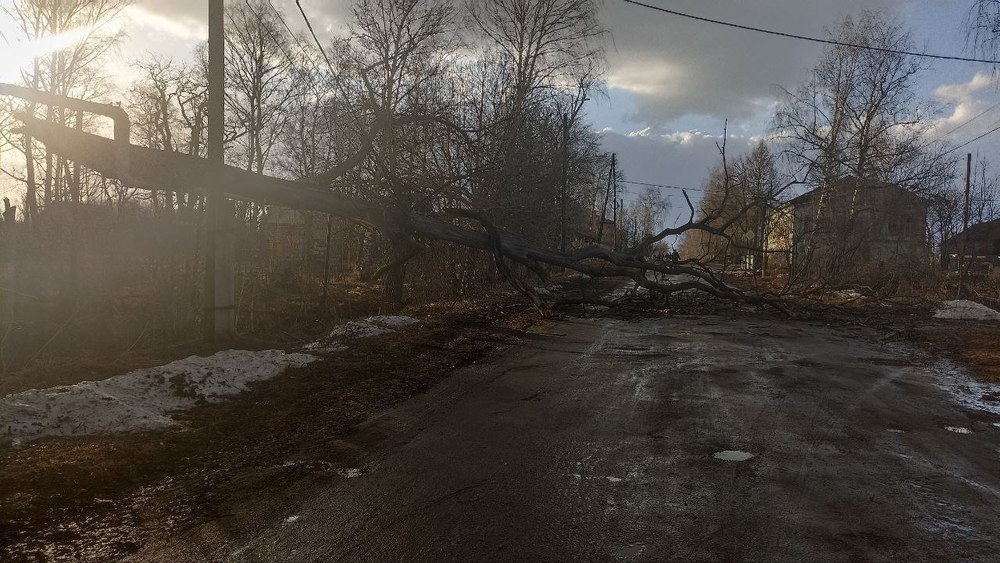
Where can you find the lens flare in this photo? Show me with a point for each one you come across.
(19, 54)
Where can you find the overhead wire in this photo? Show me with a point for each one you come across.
(313, 33)
(967, 143)
(984, 112)
(663, 186)
(291, 33)
(813, 39)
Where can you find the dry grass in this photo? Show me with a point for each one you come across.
(972, 343)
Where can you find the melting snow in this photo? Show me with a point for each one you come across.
(367, 328)
(966, 310)
(968, 392)
(958, 430)
(139, 400)
(731, 455)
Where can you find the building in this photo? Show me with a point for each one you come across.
(981, 248)
(847, 228)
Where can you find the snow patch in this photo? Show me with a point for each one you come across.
(320, 348)
(958, 429)
(848, 294)
(139, 400)
(967, 391)
(359, 329)
(963, 309)
(394, 321)
(349, 473)
(378, 325)
(733, 455)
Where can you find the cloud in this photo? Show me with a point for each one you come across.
(328, 17)
(675, 67)
(182, 27)
(965, 103)
(675, 158)
(974, 112)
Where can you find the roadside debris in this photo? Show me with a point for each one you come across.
(139, 400)
(963, 309)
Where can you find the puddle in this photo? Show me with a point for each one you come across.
(896, 431)
(969, 392)
(614, 479)
(733, 455)
(958, 429)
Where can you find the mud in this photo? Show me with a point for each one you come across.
(595, 440)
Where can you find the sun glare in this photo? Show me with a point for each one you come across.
(19, 51)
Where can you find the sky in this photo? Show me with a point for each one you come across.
(672, 83)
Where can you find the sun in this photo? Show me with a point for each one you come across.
(18, 50)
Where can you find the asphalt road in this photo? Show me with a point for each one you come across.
(597, 440)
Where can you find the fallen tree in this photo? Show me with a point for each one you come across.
(150, 169)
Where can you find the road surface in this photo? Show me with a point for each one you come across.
(605, 439)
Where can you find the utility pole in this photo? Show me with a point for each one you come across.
(564, 181)
(607, 196)
(220, 274)
(963, 265)
(614, 191)
(621, 212)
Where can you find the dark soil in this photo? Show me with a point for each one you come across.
(60, 492)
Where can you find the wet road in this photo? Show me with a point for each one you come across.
(597, 440)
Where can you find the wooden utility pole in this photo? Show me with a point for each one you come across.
(220, 274)
(614, 203)
(564, 180)
(607, 196)
(963, 266)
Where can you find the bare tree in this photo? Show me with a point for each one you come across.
(393, 64)
(642, 216)
(545, 42)
(859, 115)
(71, 70)
(259, 66)
(983, 27)
(744, 196)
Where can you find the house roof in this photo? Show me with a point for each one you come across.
(850, 183)
(986, 228)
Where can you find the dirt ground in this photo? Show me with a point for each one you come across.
(57, 494)
(975, 345)
(486, 432)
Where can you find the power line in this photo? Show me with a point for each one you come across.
(313, 33)
(291, 33)
(260, 20)
(984, 112)
(664, 186)
(990, 132)
(812, 39)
